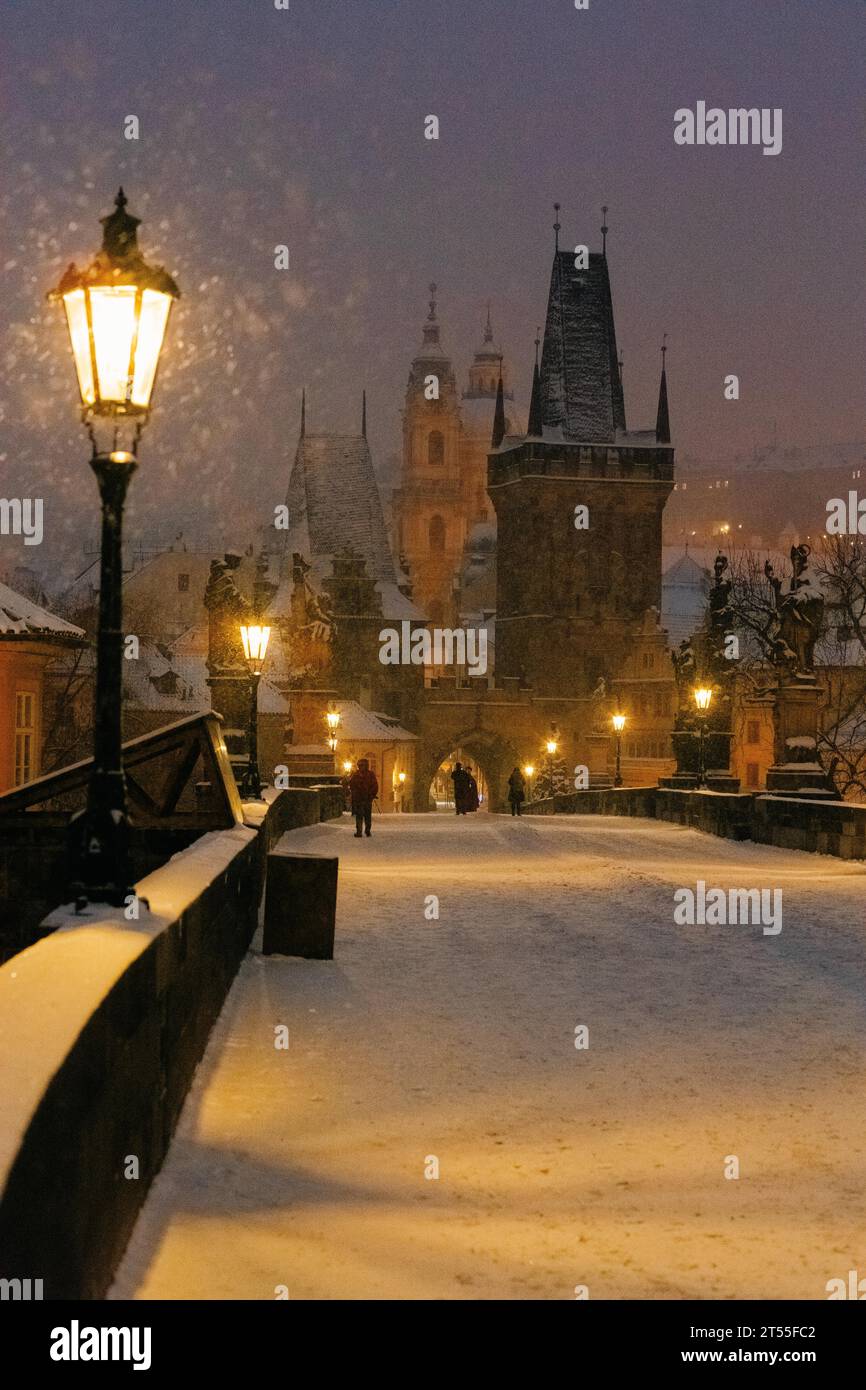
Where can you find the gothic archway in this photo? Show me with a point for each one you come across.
(492, 753)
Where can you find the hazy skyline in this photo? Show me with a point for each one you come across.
(306, 127)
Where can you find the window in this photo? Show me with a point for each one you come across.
(753, 731)
(435, 448)
(183, 583)
(436, 533)
(25, 733)
(752, 775)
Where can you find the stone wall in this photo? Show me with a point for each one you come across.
(822, 827)
(102, 1024)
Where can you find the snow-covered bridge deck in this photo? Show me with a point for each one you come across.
(455, 1038)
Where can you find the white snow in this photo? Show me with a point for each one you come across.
(49, 991)
(455, 1039)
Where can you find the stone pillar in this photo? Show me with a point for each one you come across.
(599, 759)
(796, 770)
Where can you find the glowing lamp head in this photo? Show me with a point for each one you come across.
(703, 696)
(528, 770)
(117, 313)
(255, 640)
(618, 722)
(401, 777)
(332, 743)
(552, 746)
(333, 719)
(347, 766)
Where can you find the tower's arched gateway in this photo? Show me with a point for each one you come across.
(496, 729)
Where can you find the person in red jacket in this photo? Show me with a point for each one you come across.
(363, 789)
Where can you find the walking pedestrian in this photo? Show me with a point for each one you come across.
(460, 778)
(363, 789)
(516, 791)
(472, 798)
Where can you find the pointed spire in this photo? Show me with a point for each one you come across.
(557, 227)
(303, 411)
(604, 231)
(488, 328)
(364, 414)
(431, 317)
(499, 413)
(534, 426)
(663, 422)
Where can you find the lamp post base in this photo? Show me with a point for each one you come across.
(98, 850)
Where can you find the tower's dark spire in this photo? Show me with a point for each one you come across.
(488, 327)
(364, 414)
(303, 411)
(663, 421)
(535, 421)
(499, 413)
(604, 231)
(557, 226)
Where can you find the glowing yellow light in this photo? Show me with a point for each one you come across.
(703, 696)
(618, 721)
(112, 320)
(79, 336)
(152, 323)
(529, 770)
(255, 639)
(401, 776)
(347, 766)
(552, 746)
(333, 719)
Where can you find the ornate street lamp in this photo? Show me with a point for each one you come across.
(703, 698)
(347, 766)
(552, 746)
(618, 722)
(117, 312)
(255, 640)
(528, 773)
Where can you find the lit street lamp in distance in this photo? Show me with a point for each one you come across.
(117, 312)
(529, 773)
(332, 719)
(618, 722)
(255, 638)
(703, 695)
(551, 745)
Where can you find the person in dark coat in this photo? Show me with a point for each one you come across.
(460, 778)
(472, 797)
(516, 791)
(363, 789)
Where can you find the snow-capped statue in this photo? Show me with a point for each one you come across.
(799, 611)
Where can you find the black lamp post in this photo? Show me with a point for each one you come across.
(552, 745)
(703, 697)
(618, 721)
(255, 639)
(117, 312)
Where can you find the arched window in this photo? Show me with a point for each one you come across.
(436, 533)
(435, 448)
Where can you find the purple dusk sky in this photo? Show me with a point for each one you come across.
(305, 127)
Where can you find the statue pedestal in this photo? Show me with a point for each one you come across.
(600, 759)
(796, 770)
(230, 697)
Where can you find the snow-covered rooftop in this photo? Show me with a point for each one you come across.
(21, 617)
